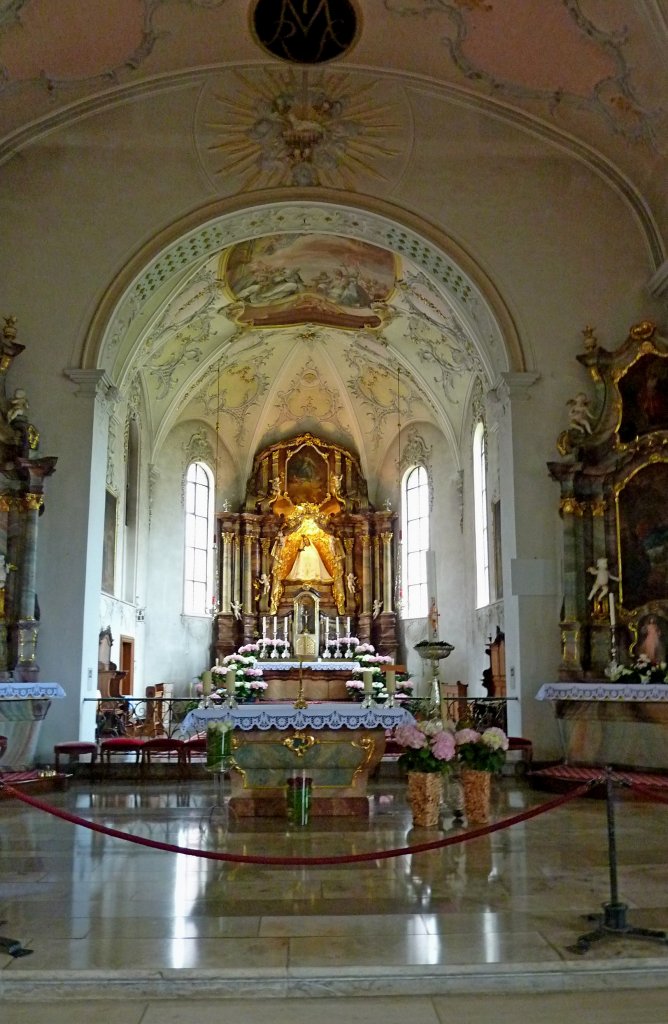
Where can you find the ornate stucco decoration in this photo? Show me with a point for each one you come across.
(308, 396)
(198, 449)
(416, 452)
(266, 128)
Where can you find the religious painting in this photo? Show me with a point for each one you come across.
(652, 638)
(109, 543)
(306, 476)
(644, 393)
(642, 511)
(281, 280)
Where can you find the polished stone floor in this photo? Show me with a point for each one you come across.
(477, 931)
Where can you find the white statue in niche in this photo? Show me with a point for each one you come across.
(579, 414)
(601, 585)
(308, 565)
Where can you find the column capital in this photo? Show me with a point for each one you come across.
(94, 384)
(515, 385)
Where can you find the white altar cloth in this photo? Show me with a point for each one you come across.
(328, 715)
(23, 708)
(603, 691)
(331, 665)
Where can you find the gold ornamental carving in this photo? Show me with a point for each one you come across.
(33, 502)
(598, 508)
(300, 743)
(570, 507)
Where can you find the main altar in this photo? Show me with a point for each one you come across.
(307, 560)
(337, 745)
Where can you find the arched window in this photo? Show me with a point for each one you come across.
(415, 509)
(198, 568)
(480, 513)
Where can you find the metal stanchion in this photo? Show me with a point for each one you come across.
(613, 919)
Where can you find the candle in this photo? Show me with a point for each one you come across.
(348, 626)
(264, 626)
(231, 680)
(275, 625)
(613, 617)
(368, 680)
(285, 628)
(337, 627)
(390, 682)
(206, 683)
(326, 628)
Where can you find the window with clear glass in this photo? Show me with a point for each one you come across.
(198, 567)
(480, 513)
(415, 508)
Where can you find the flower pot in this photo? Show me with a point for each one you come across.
(477, 789)
(425, 794)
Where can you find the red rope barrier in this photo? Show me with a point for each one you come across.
(646, 791)
(240, 858)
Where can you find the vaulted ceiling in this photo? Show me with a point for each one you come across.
(339, 336)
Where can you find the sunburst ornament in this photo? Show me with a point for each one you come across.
(273, 128)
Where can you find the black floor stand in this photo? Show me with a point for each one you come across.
(613, 920)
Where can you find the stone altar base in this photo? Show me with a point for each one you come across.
(321, 807)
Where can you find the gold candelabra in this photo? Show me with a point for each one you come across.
(300, 702)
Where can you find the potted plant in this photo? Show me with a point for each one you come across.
(480, 754)
(429, 750)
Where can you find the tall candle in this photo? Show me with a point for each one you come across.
(264, 626)
(285, 628)
(275, 626)
(231, 680)
(206, 683)
(326, 628)
(348, 626)
(337, 627)
(390, 682)
(368, 681)
(613, 616)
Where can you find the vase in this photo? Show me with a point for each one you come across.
(477, 789)
(425, 794)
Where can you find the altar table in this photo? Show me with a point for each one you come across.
(23, 708)
(335, 744)
(323, 680)
(601, 722)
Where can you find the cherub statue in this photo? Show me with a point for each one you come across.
(265, 582)
(236, 607)
(351, 581)
(377, 605)
(579, 414)
(601, 585)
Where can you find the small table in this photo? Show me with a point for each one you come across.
(621, 724)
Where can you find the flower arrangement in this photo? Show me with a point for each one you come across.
(429, 746)
(403, 690)
(249, 684)
(483, 751)
(643, 670)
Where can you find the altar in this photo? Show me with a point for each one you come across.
(620, 724)
(336, 744)
(321, 680)
(23, 708)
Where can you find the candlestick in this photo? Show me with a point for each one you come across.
(275, 625)
(285, 628)
(326, 628)
(206, 683)
(337, 627)
(611, 604)
(264, 625)
(368, 689)
(348, 626)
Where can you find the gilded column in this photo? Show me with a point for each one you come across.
(387, 572)
(236, 570)
(377, 591)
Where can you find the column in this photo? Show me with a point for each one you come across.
(248, 575)
(367, 578)
(387, 571)
(226, 573)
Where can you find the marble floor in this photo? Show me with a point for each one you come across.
(478, 931)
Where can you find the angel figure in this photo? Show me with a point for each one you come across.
(579, 414)
(601, 585)
(351, 581)
(265, 582)
(236, 607)
(377, 605)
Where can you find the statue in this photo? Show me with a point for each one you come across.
(308, 565)
(579, 413)
(265, 583)
(377, 606)
(601, 585)
(236, 607)
(351, 581)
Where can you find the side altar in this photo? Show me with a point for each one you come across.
(335, 744)
(307, 559)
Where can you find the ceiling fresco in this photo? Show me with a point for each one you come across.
(303, 332)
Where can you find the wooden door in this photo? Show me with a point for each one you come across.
(127, 665)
